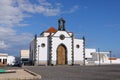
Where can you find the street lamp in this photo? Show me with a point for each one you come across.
(38, 54)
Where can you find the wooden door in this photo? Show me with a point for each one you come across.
(61, 57)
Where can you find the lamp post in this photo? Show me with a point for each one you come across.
(110, 56)
(38, 54)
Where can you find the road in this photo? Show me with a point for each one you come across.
(104, 72)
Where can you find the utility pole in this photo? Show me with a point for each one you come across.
(110, 56)
(99, 55)
(84, 51)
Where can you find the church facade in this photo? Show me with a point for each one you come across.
(57, 47)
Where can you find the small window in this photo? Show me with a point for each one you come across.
(0, 60)
(62, 37)
(91, 54)
(77, 46)
(4, 61)
(42, 45)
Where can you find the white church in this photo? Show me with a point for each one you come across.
(59, 47)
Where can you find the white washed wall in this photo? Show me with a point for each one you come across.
(42, 52)
(88, 52)
(46, 34)
(56, 41)
(10, 60)
(78, 52)
(3, 57)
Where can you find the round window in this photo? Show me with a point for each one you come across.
(62, 37)
(77, 46)
(42, 45)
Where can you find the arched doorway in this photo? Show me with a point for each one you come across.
(61, 55)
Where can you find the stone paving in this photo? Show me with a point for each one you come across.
(104, 72)
(20, 74)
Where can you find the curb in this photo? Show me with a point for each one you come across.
(37, 76)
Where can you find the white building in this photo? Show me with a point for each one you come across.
(101, 58)
(5, 59)
(11, 60)
(88, 52)
(60, 47)
(57, 47)
(24, 56)
(89, 57)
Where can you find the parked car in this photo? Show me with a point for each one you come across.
(17, 64)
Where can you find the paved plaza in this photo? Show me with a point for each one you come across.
(103, 72)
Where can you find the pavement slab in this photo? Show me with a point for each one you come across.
(20, 74)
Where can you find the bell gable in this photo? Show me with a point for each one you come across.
(59, 33)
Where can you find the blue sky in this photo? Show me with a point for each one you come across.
(97, 20)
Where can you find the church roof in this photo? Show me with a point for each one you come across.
(51, 30)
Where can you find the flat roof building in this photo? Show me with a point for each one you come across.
(3, 59)
(24, 56)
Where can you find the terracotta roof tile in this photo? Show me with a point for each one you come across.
(112, 58)
(51, 30)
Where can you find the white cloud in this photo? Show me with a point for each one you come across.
(71, 10)
(42, 7)
(74, 8)
(10, 38)
(21, 39)
(6, 31)
(13, 13)
(3, 45)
